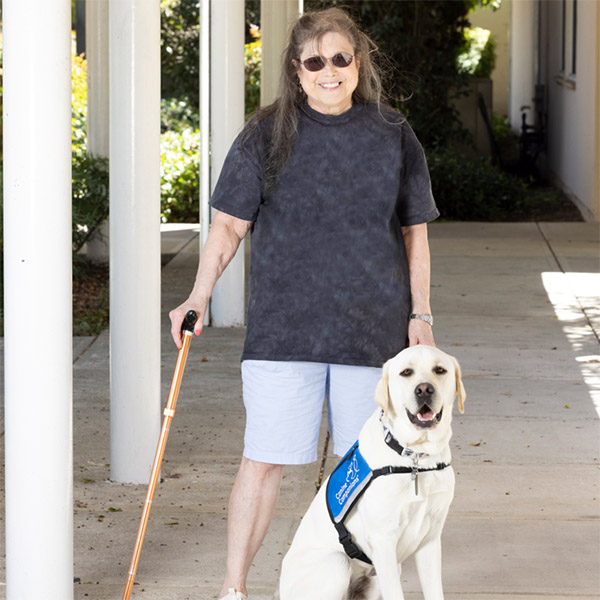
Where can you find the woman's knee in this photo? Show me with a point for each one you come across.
(261, 470)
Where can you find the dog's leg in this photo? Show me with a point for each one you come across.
(429, 568)
(319, 577)
(388, 570)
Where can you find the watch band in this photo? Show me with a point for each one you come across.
(426, 318)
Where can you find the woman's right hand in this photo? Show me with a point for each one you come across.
(178, 314)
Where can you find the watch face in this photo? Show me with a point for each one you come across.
(426, 318)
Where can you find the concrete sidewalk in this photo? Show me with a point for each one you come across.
(517, 304)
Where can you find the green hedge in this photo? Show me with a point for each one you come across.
(180, 175)
(467, 189)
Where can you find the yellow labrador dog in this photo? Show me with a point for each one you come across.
(389, 496)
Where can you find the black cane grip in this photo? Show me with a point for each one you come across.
(189, 321)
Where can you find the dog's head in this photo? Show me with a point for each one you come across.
(419, 385)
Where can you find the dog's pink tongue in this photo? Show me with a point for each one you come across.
(426, 415)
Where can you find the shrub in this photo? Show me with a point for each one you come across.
(479, 55)
(252, 62)
(473, 189)
(180, 176)
(467, 189)
(90, 196)
(78, 104)
(90, 184)
(177, 114)
(180, 51)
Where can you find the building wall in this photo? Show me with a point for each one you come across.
(498, 22)
(573, 99)
(523, 59)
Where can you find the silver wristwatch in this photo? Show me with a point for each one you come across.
(426, 318)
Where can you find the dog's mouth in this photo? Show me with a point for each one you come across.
(425, 417)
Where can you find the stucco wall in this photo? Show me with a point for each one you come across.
(498, 23)
(523, 59)
(573, 105)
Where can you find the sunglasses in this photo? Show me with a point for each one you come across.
(316, 63)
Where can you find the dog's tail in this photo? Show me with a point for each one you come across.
(360, 589)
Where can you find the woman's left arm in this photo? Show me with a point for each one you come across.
(417, 250)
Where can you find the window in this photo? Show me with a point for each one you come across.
(568, 53)
(574, 39)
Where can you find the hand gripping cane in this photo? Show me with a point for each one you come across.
(187, 329)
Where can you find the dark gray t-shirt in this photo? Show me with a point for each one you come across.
(329, 274)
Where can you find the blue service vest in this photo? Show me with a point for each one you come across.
(347, 483)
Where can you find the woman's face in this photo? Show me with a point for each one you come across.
(329, 90)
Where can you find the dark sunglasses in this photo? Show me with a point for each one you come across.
(316, 63)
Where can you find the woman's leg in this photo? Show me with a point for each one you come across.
(351, 401)
(251, 507)
(284, 404)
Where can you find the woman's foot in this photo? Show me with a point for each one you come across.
(233, 595)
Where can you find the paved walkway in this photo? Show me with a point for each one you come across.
(517, 304)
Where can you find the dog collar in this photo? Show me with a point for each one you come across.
(396, 446)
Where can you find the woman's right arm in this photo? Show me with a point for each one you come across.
(224, 238)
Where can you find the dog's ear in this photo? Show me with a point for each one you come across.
(460, 388)
(382, 394)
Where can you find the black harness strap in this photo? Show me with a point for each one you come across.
(345, 537)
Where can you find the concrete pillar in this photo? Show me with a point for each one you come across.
(523, 65)
(96, 52)
(135, 237)
(205, 188)
(276, 17)
(38, 304)
(227, 120)
(596, 117)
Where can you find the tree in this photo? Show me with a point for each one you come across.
(421, 42)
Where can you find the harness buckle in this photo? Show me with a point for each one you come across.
(351, 549)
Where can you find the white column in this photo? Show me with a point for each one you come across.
(205, 188)
(523, 48)
(96, 53)
(276, 16)
(38, 305)
(134, 237)
(227, 120)
(204, 120)
(96, 26)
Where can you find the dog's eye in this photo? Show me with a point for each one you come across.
(439, 370)
(406, 373)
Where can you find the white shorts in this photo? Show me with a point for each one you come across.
(284, 407)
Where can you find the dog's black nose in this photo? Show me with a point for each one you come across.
(424, 391)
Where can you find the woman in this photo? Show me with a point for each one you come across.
(335, 189)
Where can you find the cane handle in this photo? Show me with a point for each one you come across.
(189, 321)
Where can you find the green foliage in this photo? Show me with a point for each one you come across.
(180, 137)
(90, 196)
(1, 252)
(89, 174)
(177, 114)
(422, 41)
(180, 50)
(252, 8)
(501, 127)
(467, 189)
(479, 55)
(472, 189)
(78, 104)
(180, 179)
(252, 61)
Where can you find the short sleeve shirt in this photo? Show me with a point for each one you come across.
(329, 277)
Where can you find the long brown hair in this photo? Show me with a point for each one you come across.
(311, 27)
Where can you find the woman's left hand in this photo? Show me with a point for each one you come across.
(420, 332)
